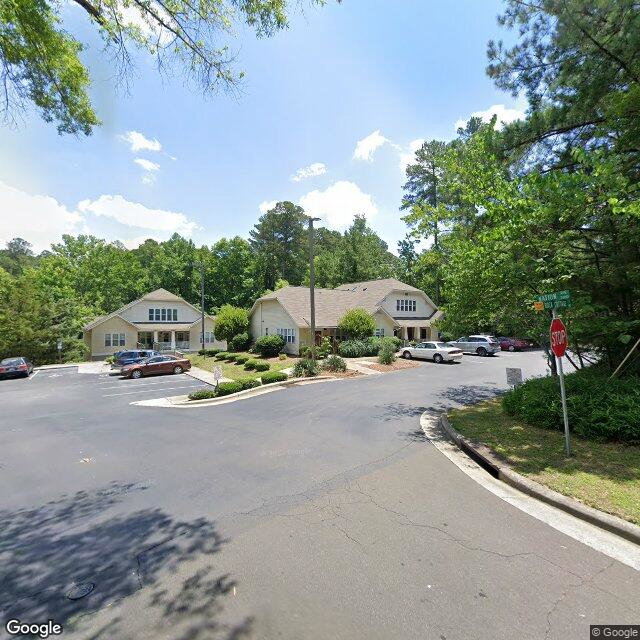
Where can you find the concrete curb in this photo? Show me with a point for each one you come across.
(487, 459)
(51, 367)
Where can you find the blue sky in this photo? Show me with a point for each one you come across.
(382, 73)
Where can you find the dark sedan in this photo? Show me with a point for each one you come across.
(156, 365)
(123, 358)
(514, 344)
(15, 368)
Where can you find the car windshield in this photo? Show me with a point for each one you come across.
(9, 362)
(441, 345)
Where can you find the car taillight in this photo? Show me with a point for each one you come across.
(2, 369)
(22, 367)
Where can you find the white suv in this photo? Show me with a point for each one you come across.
(482, 345)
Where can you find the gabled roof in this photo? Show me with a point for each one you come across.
(332, 304)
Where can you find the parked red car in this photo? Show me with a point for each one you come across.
(514, 344)
(156, 365)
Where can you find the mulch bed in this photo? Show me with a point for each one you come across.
(396, 366)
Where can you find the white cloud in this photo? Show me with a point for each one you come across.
(408, 156)
(505, 115)
(149, 167)
(366, 147)
(41, 220)
(131, 16)
(134, 214)
(267, 205)
(338, 204)
(139, 142)
(315, 169)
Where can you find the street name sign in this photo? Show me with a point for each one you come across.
(556, 300)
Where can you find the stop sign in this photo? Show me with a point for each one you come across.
(558, 337)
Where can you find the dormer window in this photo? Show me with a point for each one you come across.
(405, 304)
(163, 315)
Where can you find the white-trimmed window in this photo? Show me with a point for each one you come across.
(288, 335)
(209, 336)
(151, 315)
(405, 304)
(163, 315)
(175, 314)
(107, 339)
(114, 339)
(379, 333)
(157, 315)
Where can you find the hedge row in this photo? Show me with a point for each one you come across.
(599, 408)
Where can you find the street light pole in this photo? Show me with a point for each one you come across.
(312, 279)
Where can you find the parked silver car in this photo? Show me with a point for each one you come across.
(437, 351)
(481, 344)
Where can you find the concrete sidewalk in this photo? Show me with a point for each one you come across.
(205, 376)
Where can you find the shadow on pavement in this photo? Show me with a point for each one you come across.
(53, 553)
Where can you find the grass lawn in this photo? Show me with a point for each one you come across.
(236, 371)
(602, 475)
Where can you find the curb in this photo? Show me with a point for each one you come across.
(248, 393)
(488, 460)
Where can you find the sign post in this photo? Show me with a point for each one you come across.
(59, 347)
(559, 346)
(217, 374)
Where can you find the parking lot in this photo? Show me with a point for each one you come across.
(254, 518)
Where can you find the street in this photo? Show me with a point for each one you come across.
(320, 511)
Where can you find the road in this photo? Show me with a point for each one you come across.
(319, 511)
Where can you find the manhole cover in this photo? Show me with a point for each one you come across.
(80, 590)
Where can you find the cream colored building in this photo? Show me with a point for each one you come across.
(398, 309)
(159, 320)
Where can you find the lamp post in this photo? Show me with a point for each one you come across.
(312, 278)
(201, 265)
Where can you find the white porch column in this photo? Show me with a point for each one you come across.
(173, 340)
(155, 337)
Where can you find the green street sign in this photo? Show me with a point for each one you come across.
(557, 300)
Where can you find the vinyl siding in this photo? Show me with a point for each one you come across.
(268, 316)
(140, 312)
(194, 336)
(423, 308)
(95, 339)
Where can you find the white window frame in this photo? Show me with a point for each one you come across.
(157, 314)
(174, 313)
(379, 333)
(123, 340)
(209, 337)
(107, 339)
(163, 315)
(406, 304)
(288, 335)
(151, 315)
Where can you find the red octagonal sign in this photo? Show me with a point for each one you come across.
(558, 337)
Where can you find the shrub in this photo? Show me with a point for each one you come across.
(231, 321)
(109, 359)
(249, 383)
(305, 352)
(250, 364)
(334, 363)
(325, 347)
(387, 353)
(202, 394)
(261, 366)
(372, 346)
(212, 352)
(202, 352)
(357, 323)
(282, 356)
(239, 342)
(241, 359)
(352, 349)
(221, 355)
(599, 408)
(231, 357)
(227, 388)
(269, 346)
(273, 376)
(395, 341)
(305, 367)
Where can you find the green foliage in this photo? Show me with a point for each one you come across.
(335, 364)
(599, 408)
(211, 352)
(227, 388)
(231, 321)
(222, 355)
(249, 383)
(231, 357)
(261, 366)
(239, 342)
(202, 352)
(269, 346)
(360, 348)
(250, 364)
(273, 376)
(282, 356)
(202, 394)
(325, 347)
(305, 368)
(242, 359)
(387, 353)
(357, 324)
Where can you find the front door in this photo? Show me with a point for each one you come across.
(145, 339)
(410, 333)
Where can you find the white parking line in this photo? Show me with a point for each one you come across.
(33, 375)
(128, 393)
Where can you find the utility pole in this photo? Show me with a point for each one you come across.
(312, 282)
(201, 265)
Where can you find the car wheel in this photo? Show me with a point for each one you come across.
(137, 374)
(407, 355)
(481, 351)
(437, 358)
(177, 369)
(511, 348)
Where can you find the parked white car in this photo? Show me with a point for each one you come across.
(482, 345)
(437, 351)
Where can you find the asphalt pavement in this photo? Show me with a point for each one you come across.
(315, 512)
